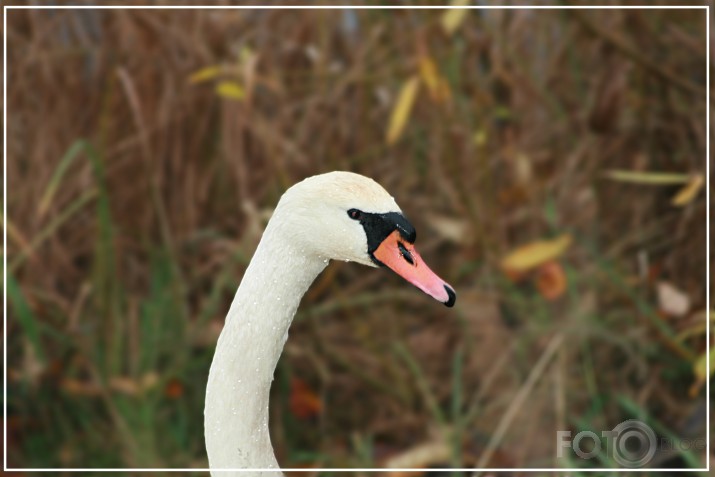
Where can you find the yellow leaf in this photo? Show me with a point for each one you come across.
(230, 90)
(402, 109)
(689, 192)
(534, 254)
(647, 178)
(437, 86)
(700, 370)
(246, 54)
(205, 74)
(452, 18)
(428, 71)
(480, 137)
(149, 380)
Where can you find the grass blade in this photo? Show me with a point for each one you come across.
(63, 217)
(25, 316)
(59, 173)
(422, 382)
(647, 178)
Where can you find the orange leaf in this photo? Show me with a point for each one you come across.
(304, 403)
(515, 276)
(551, 280)
(174, 389)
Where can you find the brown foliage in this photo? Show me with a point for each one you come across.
(522, 112)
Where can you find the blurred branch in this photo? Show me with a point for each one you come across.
(627, 50)
(47, 232)
(135, 105)
(517, 403)
(422, 383)
(337, 356)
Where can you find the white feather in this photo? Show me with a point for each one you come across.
(309, 227)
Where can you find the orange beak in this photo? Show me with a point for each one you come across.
(404, 260)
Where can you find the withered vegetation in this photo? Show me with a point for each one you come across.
(146, 149)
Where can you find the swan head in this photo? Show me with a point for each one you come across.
(350, 217)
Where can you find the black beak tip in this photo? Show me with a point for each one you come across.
(452, 297)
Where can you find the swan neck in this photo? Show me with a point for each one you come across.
(247, 352)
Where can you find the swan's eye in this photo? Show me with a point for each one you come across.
(354, 214)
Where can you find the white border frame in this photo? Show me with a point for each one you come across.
(366, 7)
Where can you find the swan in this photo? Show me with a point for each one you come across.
(333, 216)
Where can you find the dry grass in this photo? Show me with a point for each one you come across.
(123, 263)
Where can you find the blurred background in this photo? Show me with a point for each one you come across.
(552, 161)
